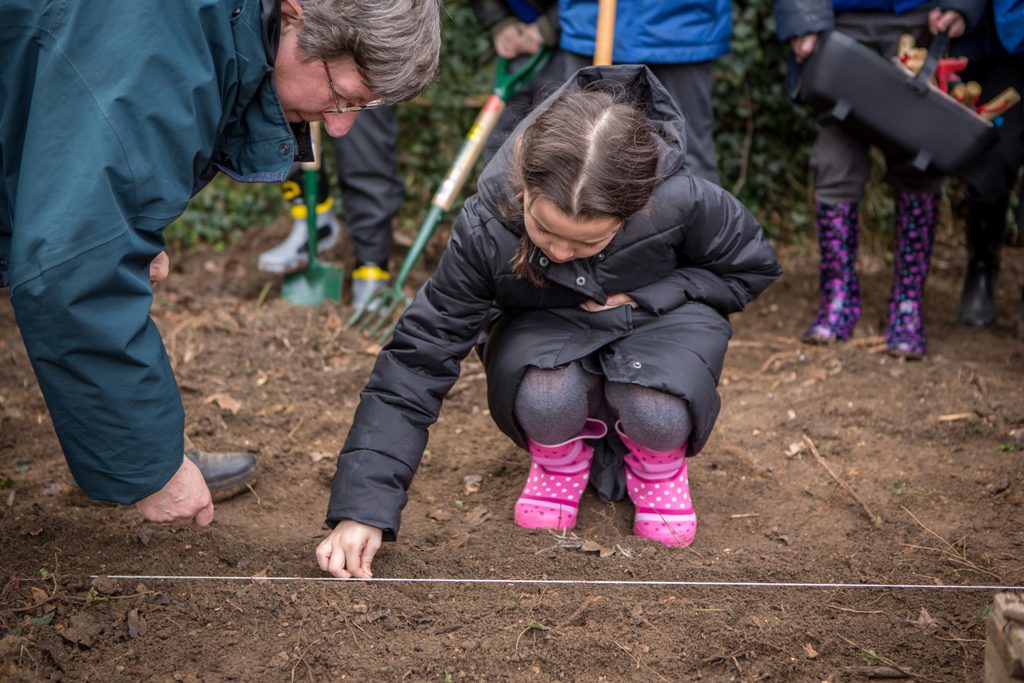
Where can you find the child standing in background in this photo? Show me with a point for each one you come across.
(602, 272)
(842, 167)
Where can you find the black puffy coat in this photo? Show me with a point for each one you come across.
(694, 247)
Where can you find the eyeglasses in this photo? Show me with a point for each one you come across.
(348, 107)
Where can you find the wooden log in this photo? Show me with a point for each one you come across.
(1004, 646)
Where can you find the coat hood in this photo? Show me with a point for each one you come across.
(642, 88)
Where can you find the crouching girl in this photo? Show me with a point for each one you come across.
(602, 272)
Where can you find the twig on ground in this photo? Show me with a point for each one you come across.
(253, 491)
(302, 658)
(954, 417)
(565, 539)
(772, 359)
(875, 520)
(263, 293)
(591, 599)
(855, 611)
(867, 341)
(950, 551)
(888, 661)
(625, 649)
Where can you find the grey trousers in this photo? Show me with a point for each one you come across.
(841, 161)
(371, 188)
(690, 85)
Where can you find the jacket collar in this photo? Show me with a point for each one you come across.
(270, 15)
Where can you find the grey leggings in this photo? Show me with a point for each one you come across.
(552, 406)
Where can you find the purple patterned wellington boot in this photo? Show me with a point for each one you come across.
(658, 486)
(558, 475)
(839, 289)
(916, 218)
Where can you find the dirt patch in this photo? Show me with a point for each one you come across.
(923, 447)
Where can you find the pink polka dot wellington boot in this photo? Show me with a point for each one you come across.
(657, 484)
(558, 475)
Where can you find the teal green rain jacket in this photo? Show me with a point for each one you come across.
(112, 114)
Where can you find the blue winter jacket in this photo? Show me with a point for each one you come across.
(799, 17)
(111, 114)
(1009, 22)
(652, 32)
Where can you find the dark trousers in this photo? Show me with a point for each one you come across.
(995, 173)
(371, 188)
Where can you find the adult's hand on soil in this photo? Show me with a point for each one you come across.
(949, 21)
(159, 268)
(349, 550)
(185, 499)
(614, 301)
(803, 46)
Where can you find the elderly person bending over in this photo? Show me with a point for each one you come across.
(112, 116)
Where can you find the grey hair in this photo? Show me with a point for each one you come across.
(395, 43)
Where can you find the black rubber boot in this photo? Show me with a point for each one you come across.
(986, 224)
(226, 474)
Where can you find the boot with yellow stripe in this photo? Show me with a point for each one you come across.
(293, 253)
(367, 280)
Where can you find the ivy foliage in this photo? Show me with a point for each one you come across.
(763, 139)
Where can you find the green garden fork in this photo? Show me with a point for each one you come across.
(380, 313)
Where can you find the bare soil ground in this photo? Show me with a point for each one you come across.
(924, 448)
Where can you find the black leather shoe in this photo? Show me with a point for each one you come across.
(226, 474)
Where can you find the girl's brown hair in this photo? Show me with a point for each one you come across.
(590, 153)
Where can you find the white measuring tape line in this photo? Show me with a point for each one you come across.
(572, 582)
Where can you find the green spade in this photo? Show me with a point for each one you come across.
(319, 281)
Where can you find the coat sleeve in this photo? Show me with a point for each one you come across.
(79, 261)
(412, 375)
(971, 10)
(794, 18)
(492, 15)
(726, 259)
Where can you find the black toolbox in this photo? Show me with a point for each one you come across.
(884, 104)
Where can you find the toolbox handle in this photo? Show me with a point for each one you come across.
(919, 84)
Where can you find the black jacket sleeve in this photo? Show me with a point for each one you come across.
(726, 258)
(794, 18)
(412, 375)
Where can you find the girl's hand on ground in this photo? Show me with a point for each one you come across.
(614, 301)
(950, 21)
(349, 550)
(803, 46)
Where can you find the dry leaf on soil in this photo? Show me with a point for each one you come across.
(477, 516)
(225, 402)
(925, 622)
(472, 483)
(595, 547)
(136, 624)
(440, 515)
